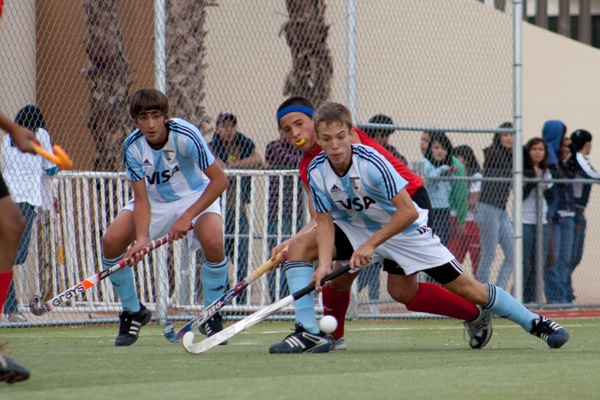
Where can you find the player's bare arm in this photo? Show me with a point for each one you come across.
(141, 219)
(405, 215)
(253, 161)
(216, 187)
(326, 245)
(20, 136)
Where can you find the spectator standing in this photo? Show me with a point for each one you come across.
(281, 155)
(445, 195)
(25, 176)
(469, 242)
(561, 213)
(233, 150)
(538, 152)
(490, 213)
(581, 145)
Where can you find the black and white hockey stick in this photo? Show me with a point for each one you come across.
(220, 337)
(216, 305)
(38, 308)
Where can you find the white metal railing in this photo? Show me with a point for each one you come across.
(68, 247)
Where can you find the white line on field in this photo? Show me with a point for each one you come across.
(398, 328)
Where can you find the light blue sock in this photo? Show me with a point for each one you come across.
(214, 280)
(124, 284)
(298, 274)
(505, 306)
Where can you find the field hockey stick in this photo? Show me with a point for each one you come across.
(37, 308)
(220, 337)
(208, 312)
(60, 157)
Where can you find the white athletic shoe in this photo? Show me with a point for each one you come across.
(337, 344)
(480, 329)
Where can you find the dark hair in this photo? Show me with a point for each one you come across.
(498, 135)
(536, 140)
(442, 139)
(471, 163)
(578, 139)
(295, 101)
(332, 112)
(31, 117)
(226, 116)
(145, 100)
(380, 119)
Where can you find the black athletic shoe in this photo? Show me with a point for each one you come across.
(129, 329)
(212, 326)
(11, 371)
(549, 331)
(302, 341)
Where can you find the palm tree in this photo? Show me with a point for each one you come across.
(108, 76)
(306, 35)
(186, 67)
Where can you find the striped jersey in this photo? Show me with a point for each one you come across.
(415, 182)
(175, 170)
(363, 195)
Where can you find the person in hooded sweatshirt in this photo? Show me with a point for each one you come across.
(561, 214)
(578, 163)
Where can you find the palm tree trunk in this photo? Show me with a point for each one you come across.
(108, 76)
(306, 35)
(186, 67)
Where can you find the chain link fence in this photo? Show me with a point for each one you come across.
(420, 68)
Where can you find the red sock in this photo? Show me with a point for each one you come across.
(433, 299)
(336, 304)
(5, 279)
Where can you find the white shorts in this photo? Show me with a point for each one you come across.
(415, 251)
(163, 216)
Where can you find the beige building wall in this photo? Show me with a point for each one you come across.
(248, 62)
(17, 56)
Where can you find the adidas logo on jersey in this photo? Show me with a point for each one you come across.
(146, 162)
(335, 189)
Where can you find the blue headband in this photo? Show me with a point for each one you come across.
(306, 110)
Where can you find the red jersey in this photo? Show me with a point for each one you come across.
(414, 180)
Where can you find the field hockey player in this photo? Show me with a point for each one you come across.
(391, 226)
(167, 161)
(294, 117)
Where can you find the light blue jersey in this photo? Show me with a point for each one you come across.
(174, 171)
(362, 197)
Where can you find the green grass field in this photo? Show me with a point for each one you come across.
(385, 360)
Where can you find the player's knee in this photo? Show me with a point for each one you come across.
(400, 295)
(402, 288)
(469, 289)
(213, 245)
(110, 245)
(302, 248)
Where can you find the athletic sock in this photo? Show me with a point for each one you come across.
(336, 304)
(5, 279)
(433, 299)
(124, 284)
(298, 275)
(505, 306)
(214, 280)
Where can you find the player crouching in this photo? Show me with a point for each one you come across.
(364, 215)
(168, 163)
